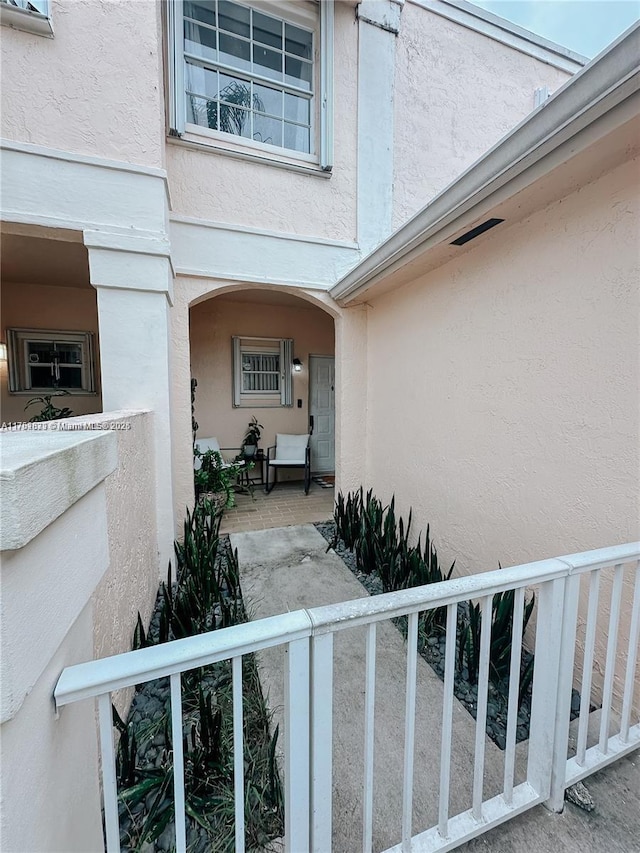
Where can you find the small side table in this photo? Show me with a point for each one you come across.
(256, 475)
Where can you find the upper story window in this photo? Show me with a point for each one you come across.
(34, 16)
(253, 76)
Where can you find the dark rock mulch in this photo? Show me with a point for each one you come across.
(433, 652)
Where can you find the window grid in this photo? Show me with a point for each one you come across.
(41, 361)
(248, 119)
(260, 373)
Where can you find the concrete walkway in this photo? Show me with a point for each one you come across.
(287, 569)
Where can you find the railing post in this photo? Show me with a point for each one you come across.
(545, 685)
(321, 741)
(296, 750)
(565, 683)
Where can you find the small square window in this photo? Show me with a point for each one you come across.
(41, 360)
(262, 371)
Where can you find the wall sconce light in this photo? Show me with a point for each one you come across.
(3, 352)
(297, 365)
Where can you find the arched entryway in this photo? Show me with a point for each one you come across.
(213, 322)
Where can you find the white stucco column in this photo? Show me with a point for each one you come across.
(378, 26)
(134, 281)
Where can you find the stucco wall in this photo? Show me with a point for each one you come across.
(457, 92)
(95, 88)
(213, 323)
(214, 186)
(516, 372)
(130, 584)
(50, 791)
(33, 306)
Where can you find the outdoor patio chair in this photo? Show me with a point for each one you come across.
(204, 444)
(289, 451)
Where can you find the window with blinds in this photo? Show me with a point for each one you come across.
(262, 371)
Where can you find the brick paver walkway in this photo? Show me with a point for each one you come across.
(287, 504)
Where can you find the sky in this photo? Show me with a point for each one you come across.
(584, 26)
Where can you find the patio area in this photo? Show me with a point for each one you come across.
(287, 504)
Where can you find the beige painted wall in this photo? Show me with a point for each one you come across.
(457, 93)
(214, 186)
(516, 370)
(80, 91)
(32, 306)
(213, 323)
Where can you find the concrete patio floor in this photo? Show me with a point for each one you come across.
(286, 504)
(287, 569)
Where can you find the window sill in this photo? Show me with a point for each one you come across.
(214, 144)
(29, 22)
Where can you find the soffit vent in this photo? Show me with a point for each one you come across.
(476, 232)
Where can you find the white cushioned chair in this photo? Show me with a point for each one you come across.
(204, 444)
(289, 451)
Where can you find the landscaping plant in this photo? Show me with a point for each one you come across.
(49, 412)
(204, 597)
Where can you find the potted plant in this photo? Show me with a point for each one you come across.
(252, 438)
(215, 478)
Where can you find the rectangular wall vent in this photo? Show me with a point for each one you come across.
(475, 232)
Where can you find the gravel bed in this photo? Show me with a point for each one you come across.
(433, 652)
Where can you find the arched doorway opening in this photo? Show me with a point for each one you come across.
(268, 354)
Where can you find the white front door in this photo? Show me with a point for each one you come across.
(322, 406)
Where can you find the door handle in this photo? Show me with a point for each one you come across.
(310, 424)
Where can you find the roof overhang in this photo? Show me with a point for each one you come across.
(585, 129)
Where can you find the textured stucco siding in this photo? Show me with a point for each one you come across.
(457, 92)
(517, 367)
(217, 187)
(516, 370)
(95, 88)
(130, 584)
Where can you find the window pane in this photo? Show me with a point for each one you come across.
(296, 109)
(69, 353)
(70, 377)
(39, 352)
(234, 18)
(234, 114)
(297, 72)
(201, 81)
(199, 41)
(267, 62)
(266, 100)
(267, 30)
(296, 137)
(202, 112)
(41, 377)
(268, 130)
(235, 52)
(202, 10)
(298, 41)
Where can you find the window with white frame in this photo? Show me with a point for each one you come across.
(254, 74)
(43, 360)
(262, 371)
(34, 16)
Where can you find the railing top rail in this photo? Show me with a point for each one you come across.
(93, 678)
(601, 558)
(113, 673)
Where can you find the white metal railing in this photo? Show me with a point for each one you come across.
(307, 637)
